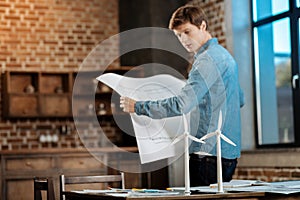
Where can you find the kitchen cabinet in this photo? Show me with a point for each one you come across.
(19, 168)
(48, 94)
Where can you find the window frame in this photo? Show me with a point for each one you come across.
(294, 15)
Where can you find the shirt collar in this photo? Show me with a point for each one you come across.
(206, 45)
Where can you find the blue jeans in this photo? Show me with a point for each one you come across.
(203, 169)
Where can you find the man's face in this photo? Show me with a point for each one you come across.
(191, 36)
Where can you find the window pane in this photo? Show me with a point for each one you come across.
(268, 8)
(298, 3)
(272, 49)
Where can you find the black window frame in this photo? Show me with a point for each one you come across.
(294, 15)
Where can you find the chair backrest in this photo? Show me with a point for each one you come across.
(68, 180)
(43, 184)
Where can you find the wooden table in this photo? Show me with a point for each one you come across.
(240, 195)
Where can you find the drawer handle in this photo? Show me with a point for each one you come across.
(28, 164)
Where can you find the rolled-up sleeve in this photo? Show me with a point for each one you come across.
(190, 95)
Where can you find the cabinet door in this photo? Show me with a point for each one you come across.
(51, 83)
(20, 189)
(55, 105)
(23, 189)
(22, 105)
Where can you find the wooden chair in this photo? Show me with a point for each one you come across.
(43, 184)
(64, 180)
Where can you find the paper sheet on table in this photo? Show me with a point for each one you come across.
(153, 137)
(284, 187)
(104, 192)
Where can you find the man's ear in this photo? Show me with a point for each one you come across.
(203, 26)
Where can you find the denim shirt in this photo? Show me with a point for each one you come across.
(212, 85)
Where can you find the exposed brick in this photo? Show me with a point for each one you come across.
(12, 41)
(267, 174)
(5, 147)
(22, 6)
(23, 29)
(38, 7)
(14, 140)
(215, 13)
(295, 174)
(31, 18)
(51, 42)
(12, 17)
(56, 36)
(256, 172)
(4, 4)
(13, 65)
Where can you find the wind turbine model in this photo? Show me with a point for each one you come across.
(219, 135)
(186, 135)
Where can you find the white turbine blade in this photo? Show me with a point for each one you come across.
(208, 135)
(196, 139)
(220, 120)
(177, 139)
(202, 153)
(185, 123)
(227, 139)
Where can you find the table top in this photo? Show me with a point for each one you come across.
(240, 195)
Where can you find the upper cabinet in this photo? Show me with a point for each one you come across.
(54, 94)
(50, 93)
(37, 94)
(20, 95)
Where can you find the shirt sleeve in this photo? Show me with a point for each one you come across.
(190, 95)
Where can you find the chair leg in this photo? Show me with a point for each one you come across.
(50, 192)
(43, 185)
(37, 191)
(61, 186)
(37, 195)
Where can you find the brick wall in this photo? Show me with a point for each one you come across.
(52, 35)
(268, 173)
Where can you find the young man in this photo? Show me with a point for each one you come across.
(212, 86)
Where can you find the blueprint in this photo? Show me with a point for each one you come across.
(154, 136)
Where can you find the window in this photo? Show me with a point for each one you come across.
(267, 8)
(276, 68)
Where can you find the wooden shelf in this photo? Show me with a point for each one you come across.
(49, 93)
(37, 94)
(22, 105)
(54, 83)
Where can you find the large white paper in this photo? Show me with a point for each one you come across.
(154, 137)
(284, 187)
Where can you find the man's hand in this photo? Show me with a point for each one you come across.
(127, 104)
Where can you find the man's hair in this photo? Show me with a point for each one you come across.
(188, 13)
